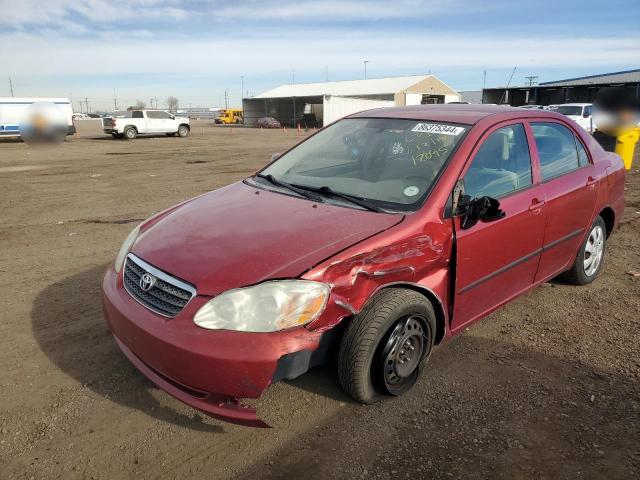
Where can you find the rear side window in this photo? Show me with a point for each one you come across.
(556, 149)
(583, 158)
(137, 114)
(501, 165)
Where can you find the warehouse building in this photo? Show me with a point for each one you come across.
(570, 90)
(318, 104)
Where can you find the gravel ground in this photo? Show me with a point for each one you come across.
(547, 387)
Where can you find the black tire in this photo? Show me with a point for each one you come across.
(579, 274)
(130, 133)
(183, 131)
(365, 347)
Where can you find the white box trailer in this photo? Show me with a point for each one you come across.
(14, 111)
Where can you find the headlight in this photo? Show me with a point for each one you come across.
(124, 249)
(267, 307)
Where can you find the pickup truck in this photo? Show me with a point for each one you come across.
(146, 122)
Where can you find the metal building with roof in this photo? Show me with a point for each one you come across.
(317, 104)
(579, 89)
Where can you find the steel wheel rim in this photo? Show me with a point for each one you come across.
(182, 131)
(402, 354)
(130, 133)
(593, 251)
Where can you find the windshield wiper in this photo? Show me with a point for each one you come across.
(300, 191)
(325, 190)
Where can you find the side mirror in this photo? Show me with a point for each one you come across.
(586, 115)
(485, 209)
(275, 156)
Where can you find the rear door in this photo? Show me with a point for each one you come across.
(571, 189)
(496, 261)
(140, 121)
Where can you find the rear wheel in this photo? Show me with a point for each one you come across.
(384, 347)
(130, 133)
(589, 259)
(183, 131)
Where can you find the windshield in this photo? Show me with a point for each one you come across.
(569, 110)
(391, 161)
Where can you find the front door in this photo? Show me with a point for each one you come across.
(497, 260)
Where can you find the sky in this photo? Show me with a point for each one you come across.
(111, 51)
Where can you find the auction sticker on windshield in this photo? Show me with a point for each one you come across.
(438, 128)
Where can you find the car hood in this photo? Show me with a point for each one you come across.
(240, 235)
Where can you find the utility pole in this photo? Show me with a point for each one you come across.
(365, 69)
(532, 79)
(86, 100)
(156, 100)
(242, 88)
(484, 80)
(115, 101)
(11, 86)
(226, 98)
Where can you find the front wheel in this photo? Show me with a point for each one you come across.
(588, 262)
(386, 345)
(183, 131)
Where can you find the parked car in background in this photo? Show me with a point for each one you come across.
(267, 122)
(362, 241)
(581, 113)
(144, 122)
(80, 116)
(532, 107)
(228, 116)
(16, 113)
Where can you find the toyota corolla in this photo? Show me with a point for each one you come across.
(368, 243)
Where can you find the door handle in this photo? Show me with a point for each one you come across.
(536, 204)
(591, 181)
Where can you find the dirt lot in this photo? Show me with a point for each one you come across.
(547, 387)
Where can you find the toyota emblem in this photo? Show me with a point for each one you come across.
(147, 281)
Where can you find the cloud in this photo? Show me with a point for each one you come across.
(258, 54)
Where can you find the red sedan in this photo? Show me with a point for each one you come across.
(373, 240)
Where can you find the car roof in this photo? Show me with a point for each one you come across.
(465, 114)
(573, 104)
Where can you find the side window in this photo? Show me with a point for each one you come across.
(583, 158)
(156, 115)
(501, 165)
(137, 114)
(556, 149)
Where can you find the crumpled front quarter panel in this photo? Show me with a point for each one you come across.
(412, 252)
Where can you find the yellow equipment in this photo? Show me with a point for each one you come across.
(230, 115)
(625, 145)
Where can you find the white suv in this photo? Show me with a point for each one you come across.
(578, 112)
(146, 122)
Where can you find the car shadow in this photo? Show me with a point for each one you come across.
(69, 327)
(141, 137)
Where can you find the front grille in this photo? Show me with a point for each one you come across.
(168, 295)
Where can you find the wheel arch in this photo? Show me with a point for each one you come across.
(130, 126)
(185, 125)
(609, 217)
(432, 297)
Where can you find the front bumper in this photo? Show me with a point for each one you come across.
(210, 370)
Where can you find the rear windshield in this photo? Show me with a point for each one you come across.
(569, 110)
(393, 162)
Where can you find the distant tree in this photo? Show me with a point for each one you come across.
(172, 103)
(140, 105)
